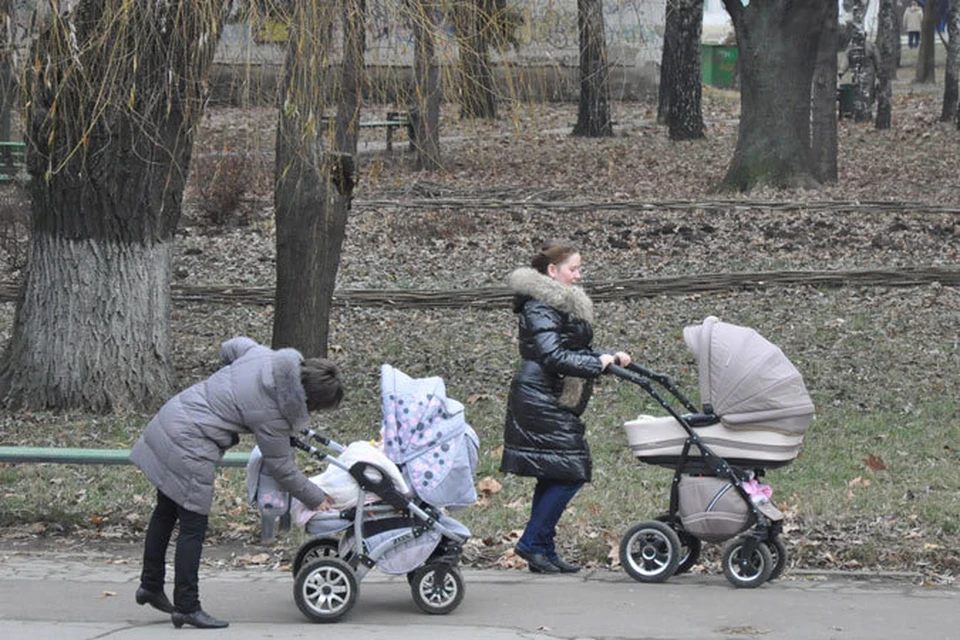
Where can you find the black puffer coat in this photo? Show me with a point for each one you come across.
(543, 434)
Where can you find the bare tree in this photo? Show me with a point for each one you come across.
(778, 43)
(823, 147)
(671, 29)
(8, 72)
(478, 98)
(686, 114)
(926, 58)
(886, 35)
(315, 170)
(116, 93)
(952, 73)
(593, 115)
(426, 85)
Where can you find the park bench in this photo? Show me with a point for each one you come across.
(13, 162)
(392, 120)
(71, 455)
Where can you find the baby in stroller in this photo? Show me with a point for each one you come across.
(756, 410)
(387, 503)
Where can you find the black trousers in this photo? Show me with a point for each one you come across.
(193, 530)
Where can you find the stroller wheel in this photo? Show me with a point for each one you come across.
(650, 551)
(314, 550)
(744, 572)
(778, 551)
(437, 588)
(689, 544)
(325, 590)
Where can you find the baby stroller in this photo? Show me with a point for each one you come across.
(756, 410)
(394, 519)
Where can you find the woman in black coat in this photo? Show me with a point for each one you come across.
(543, 434)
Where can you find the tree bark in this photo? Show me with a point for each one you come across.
(477, 91)
(109, 146)
(861, 64)
(314, 172)
(778, 43)
(667, 59)
(593, 114)
(823, 146)
(426, 86)
(926, 57)
(952, 72)
(686, 114)
(886, 35)
(8, 71)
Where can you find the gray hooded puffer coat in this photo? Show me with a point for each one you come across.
(258, 391)
(543, 434)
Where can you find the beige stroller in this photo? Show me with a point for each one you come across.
(755, 413)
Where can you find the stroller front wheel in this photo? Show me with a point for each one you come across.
(325, 590)
(747, 572)
(437, 588)
(650, 551)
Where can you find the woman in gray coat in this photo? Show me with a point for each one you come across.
(258, 390)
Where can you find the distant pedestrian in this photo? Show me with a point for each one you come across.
(912, 22)
(543, 433)
(258, 390)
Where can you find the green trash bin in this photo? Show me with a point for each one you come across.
(718, 64)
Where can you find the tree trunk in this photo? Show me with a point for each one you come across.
(926, 57)
(427, 86)
(860, 64)
(593, 115)
(477, 92)
(686, 115)
(314, 172)
(109, 145)
(886, 35)
(952, 73)
(778, 43)
(671, 34)
(8, 71)
(823, 147)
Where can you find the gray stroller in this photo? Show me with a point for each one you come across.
(402, 530)
(756, 410)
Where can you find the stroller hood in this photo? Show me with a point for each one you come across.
(425, 433)
(748, 380)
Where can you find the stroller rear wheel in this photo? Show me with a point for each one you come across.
(437, 588)
(314, 550)
(747, 572)
(650, 551)
(689, 544)
(778, 551)
(325, 590)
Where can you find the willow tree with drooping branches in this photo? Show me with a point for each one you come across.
(115, 94)
(319, 115)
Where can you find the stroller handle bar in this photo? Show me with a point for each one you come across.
(645, 378)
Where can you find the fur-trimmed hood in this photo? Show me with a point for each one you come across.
(291, 398)
(527, 282)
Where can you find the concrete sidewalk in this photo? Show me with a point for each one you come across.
(51, 595)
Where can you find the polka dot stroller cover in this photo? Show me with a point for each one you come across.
(426, 435)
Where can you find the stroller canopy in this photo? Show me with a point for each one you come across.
(748, 380)
(425, 433)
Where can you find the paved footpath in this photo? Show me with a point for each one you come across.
(66, 597)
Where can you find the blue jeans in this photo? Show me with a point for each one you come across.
(913, 39)
(550, 498)
(193, 530)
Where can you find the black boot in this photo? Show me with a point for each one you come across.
(156, 599)
(563, 565)
(199, 619)
(537, 562)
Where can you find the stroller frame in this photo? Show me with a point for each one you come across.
(326, 583)
(654, 550)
